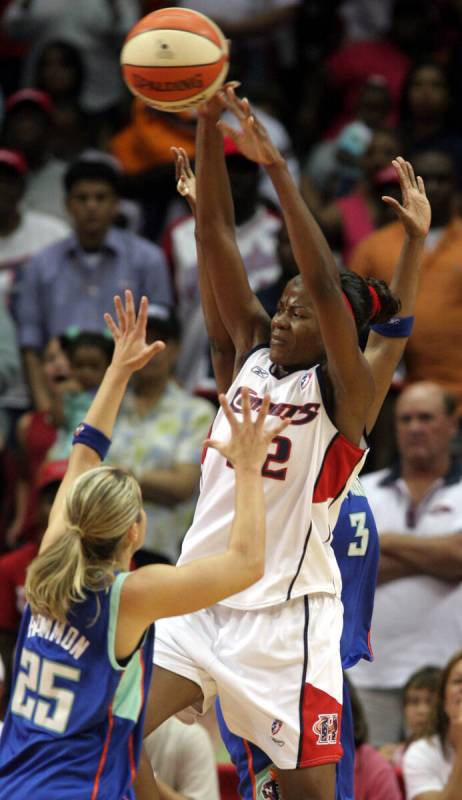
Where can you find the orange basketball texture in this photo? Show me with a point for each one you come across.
(174, 59)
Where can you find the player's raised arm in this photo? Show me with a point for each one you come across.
(349, 373)
(222, 349)
(160, 591)
(245, 319)
(92, 438)
(386, 343)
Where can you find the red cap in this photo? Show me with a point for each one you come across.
(230, 147)
(386, 175)
(41, 99)
(50, 472)
(14, 160)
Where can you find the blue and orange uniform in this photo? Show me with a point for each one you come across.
(356, 547)
(74, 725)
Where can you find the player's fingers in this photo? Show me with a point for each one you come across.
(142, 317)
(246, 415)
(155, 348)
(120, 312)
(112, 326)
(228, 412)
(410, 172)
(262, 413)
(129, 309)
(216, 445)
(390, 201)
(399, 166)
(421, 185)
(281, 426)
(227, 130)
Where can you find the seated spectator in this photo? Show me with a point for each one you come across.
(13, 566)
(89, 356)
(35, 434)
(27, 127)
(417, 504)
(95, 27)
(374, 777)
(183, 761)
(23, 232)
(158, 436)
(351, 218)
(60, 73)
(72, 283)
(433, 352)
(419, 695)
(428, 114)
(432, 766)
(10, 365)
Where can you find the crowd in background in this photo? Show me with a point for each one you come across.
(88, 207)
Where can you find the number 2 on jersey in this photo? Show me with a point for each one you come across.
(38, 678)
(359, 546)
(281, 455)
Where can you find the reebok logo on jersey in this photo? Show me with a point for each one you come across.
(326, 728)
(298, 415)
(262, 373)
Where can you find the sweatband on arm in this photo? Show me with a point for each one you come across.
(92, 437)
(396, 327)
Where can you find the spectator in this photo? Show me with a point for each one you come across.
(428, 114)
(60, 73)
(72, 282)
(256, 230)
(95, 27)
(10, 366)
(351, 218)
(183, 761)
(89, 356)
(35, 434)
(418, 508)
(433, 765)
(158, 436)
(418, 699)
(27, 127)
(374, 778)
(438, 308)
(13, 566)
(22, 232)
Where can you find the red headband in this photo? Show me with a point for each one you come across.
(376, 304)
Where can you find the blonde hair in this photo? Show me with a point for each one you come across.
(101, 506)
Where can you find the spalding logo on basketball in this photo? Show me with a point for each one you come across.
(174, 59)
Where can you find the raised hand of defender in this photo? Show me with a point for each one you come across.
(252, 138)
(184, 176)
(131, 351)
(249, 442)
(414, 211)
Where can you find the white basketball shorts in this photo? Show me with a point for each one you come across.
(277, 672)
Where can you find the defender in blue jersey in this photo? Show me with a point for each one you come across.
(85, 648)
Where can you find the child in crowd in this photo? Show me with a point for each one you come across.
(89, 356)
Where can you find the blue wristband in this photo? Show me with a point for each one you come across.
(396, 327)
(93, 438)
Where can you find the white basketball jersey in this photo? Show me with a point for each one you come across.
(307, 472)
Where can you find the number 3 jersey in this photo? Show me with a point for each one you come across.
(307, 473)
(73, 729)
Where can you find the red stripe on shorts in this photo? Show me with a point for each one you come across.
(321, 719)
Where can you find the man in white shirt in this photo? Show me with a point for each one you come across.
(418, 509)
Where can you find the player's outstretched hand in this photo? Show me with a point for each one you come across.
(184, 176)
(414, 211)
(249, 442)
(131, 351)
(252, 138)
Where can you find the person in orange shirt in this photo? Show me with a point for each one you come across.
(433, 352)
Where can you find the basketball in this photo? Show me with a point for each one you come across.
(174, 59)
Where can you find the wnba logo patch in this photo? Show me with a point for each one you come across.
(305, 379)
(326, 728)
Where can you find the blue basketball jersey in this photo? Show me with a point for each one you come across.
(357, 550)
(73, 729)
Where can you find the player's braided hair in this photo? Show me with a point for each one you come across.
(369, 307)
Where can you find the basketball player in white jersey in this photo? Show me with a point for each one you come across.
(273, 653)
